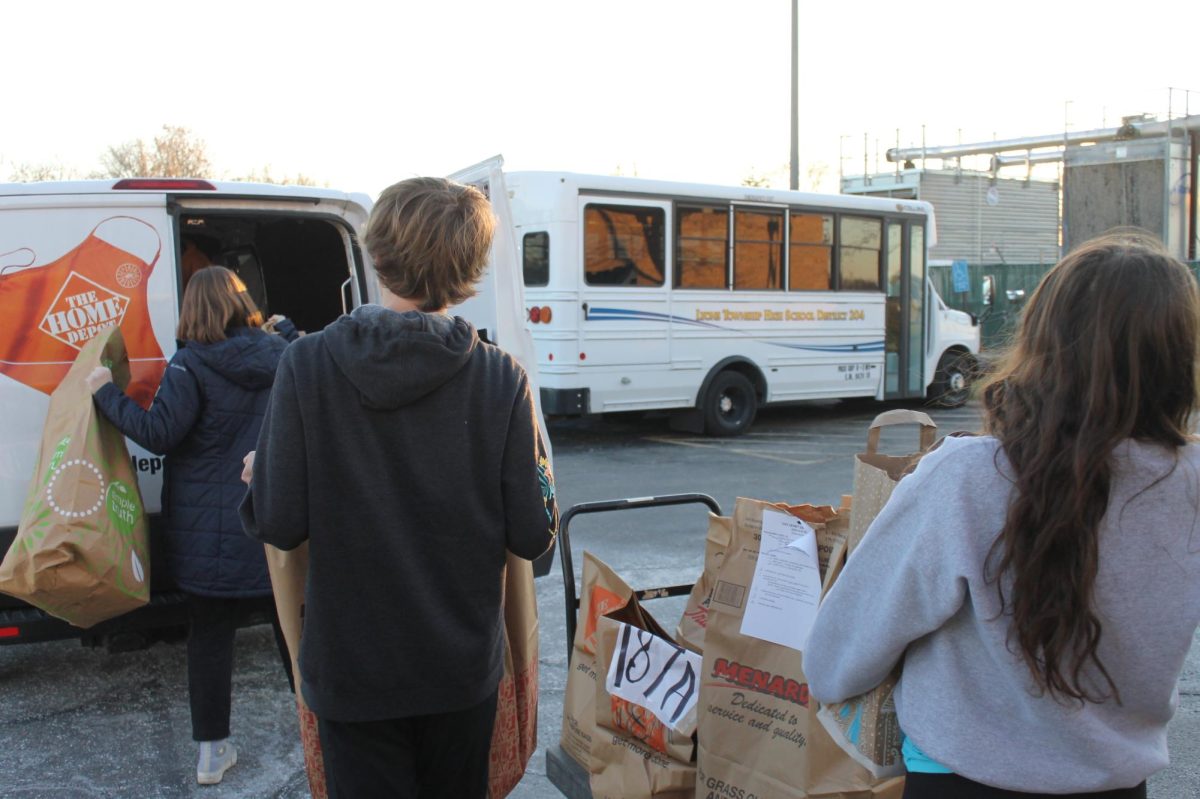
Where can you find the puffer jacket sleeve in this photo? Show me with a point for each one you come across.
(171, 416)
(530, 509)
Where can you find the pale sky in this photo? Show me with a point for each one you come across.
(359, 95)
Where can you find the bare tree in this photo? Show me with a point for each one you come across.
(264, 175)
(31, 173)
(816, 172)
(757, 181)
(175, 153)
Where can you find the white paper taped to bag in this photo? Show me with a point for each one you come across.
(787, 582)
(656, 674)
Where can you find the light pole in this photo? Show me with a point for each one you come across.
(795, 178)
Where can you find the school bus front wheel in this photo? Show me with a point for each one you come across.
(729, 404)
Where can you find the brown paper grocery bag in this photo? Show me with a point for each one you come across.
(633, 754)
(81, 549)
(690, 630)
(866, 726)
(602, 592)
(876, 474)
(289, 574)
(514, 736)
(758, 732)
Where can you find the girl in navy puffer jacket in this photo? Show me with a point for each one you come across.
(205, 418)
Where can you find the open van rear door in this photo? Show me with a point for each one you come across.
(498, 309)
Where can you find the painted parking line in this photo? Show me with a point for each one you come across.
(799, 434)
(820, 444)
(679, 442)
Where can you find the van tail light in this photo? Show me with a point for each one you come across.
(546, 314)
(10, 632)
(163, 184)
(535, 314)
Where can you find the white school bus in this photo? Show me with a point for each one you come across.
(716, 300)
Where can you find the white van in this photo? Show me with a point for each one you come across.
(76, 257)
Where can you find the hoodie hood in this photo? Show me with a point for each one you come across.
(247, 357)
(394, 359)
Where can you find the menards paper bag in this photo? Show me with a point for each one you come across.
(635, 755)
(758, 731)
(876, 474)
(690, 630)
(603, 591)
(80, 552)
(514, 736)
(289, 574)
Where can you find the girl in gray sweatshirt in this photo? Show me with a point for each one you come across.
(1041, 583)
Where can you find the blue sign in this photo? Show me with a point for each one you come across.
(960, 276)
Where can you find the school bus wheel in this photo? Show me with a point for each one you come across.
(729, 404)
(952, 381)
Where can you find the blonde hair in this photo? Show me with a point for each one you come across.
(214, 301)
(429, 239)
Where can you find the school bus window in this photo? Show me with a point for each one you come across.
(535, 257)
(701, 247)
(623, 245)
(810, 261)
(860, 244)
(758, 250)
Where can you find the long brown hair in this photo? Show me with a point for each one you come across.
(214, 301)
(1106, 351)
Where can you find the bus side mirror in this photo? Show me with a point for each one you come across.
(989, 289)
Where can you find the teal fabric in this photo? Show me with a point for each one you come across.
(918, 761)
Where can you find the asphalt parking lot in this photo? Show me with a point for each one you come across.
(76, 722)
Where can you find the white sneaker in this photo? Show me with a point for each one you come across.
(216, 757)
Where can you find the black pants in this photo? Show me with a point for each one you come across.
(440, 755)
(952, 786)
(212, 622)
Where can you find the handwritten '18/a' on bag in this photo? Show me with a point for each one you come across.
(643, 746)
(80, 552)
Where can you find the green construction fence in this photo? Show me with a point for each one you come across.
(1012, 285)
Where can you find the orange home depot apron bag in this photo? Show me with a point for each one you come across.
(80, 552)
(51, 311)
